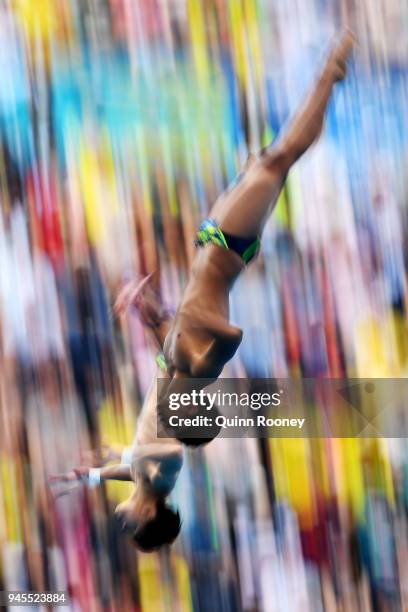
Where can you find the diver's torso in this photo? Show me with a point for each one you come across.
(205, 303)
(154, 458)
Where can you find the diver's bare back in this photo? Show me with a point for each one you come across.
(201, 339)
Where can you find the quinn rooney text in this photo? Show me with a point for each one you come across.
(235, 421)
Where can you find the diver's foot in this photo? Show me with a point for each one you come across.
(336, 65)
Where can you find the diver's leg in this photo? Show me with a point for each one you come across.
(244, 210)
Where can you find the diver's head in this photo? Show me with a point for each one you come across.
(148, 519)
(151, 524)
(160, 531)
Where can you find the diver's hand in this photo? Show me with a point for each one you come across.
(76, 474)
(141, 296)
(125, 297)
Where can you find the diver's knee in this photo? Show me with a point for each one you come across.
(277, 159)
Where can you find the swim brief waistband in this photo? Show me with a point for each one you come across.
(210, 232)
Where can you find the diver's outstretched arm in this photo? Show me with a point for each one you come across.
(83, 473)
(243, 210)
(63, 484)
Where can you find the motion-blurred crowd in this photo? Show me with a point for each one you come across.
(120, 123)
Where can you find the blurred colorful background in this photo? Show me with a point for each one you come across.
(120, 123)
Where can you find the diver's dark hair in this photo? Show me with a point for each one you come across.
(158, 532)
(182, 434)
(194, 442)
